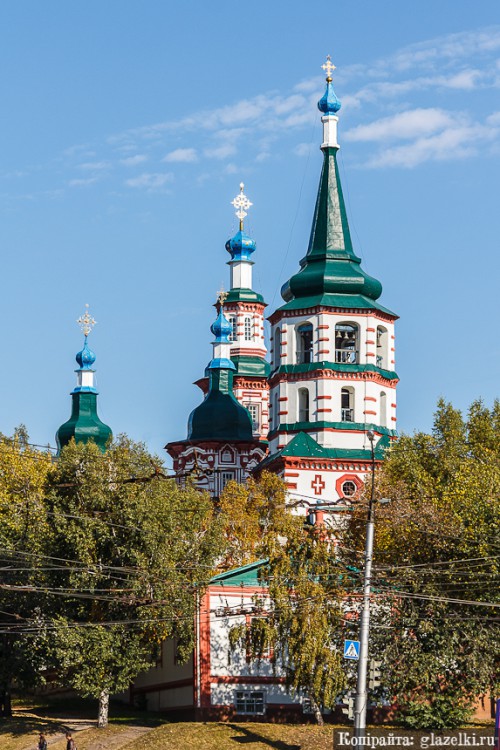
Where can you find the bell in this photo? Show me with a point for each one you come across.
(346, 335)
(338, 334)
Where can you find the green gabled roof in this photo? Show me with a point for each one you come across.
(244, 295)
(331, 266)
(337, 367)
(253, 366)
(303, 445)
(343, 301)
(246, 575)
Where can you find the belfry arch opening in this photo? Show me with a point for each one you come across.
(382, 347)
(305, 344)
(347, 343)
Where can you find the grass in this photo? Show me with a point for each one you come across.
(215, 736)
(55, 716)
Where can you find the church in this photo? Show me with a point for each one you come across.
(318, 409)
(327, 394)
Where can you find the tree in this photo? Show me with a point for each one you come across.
(253, 513)
(436, 547)
(24, 532)
(130, 550)
(302, 607)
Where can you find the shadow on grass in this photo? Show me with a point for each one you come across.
(250, 736)
(20, 725)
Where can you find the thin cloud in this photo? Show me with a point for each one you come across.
(220, 152)
(94, 166)
(409, 124)
(150, 180)
(83, 181)
(132, 161)
(452, 143)
(182, 155)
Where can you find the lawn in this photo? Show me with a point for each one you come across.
(54, 717)
(230, 736)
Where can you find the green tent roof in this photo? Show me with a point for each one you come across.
(331, 272)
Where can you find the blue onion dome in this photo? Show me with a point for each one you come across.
(221, 328)
(86, 357)
(241, 246)
(329, 104)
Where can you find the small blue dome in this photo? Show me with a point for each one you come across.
(221, 328)
(86, 357)
(329, 104)
(241, 246)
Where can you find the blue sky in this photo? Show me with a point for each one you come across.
(126, 128)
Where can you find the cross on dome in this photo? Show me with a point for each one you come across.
(328, 67)
(222, 296)
(241, 204)
(86, 322)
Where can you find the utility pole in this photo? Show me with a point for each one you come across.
(364, 630)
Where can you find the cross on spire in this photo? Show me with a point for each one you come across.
(328, 67)
(86, 322)
(241, 204)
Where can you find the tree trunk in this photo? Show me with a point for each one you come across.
(317, 712)
(102, 718)
(5, 703)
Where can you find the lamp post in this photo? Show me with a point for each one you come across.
(364, 630)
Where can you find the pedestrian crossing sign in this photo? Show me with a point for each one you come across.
(351, 649)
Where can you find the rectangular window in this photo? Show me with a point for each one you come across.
(250, 702)
(226, 477)
(248, 329)
(233, 334)
(254, 415)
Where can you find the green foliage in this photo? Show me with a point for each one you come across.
(109, 554)
(97, 659)
(251, 513)
(139, 549)
(24, 532)
(436, 546)
(300, 618)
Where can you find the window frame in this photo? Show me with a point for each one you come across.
(248, 328)
(249, 696)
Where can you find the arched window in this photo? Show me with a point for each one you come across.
(383, 409)
(303, 405)
(232, 320)
(346, 343)
(253, 408)
(304, 343)
(347, 405)
(382, 347)
(248, 329)
(276, 406)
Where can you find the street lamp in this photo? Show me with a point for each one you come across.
(364, 629)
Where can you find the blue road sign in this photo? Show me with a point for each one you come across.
(351, 649)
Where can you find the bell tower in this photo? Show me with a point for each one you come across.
(333, 373)
(244, 309)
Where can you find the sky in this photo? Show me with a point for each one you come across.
(125, 130)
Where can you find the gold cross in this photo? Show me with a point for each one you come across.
(221, 296)
(328, 67)
(242, 204)
(86, 322)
